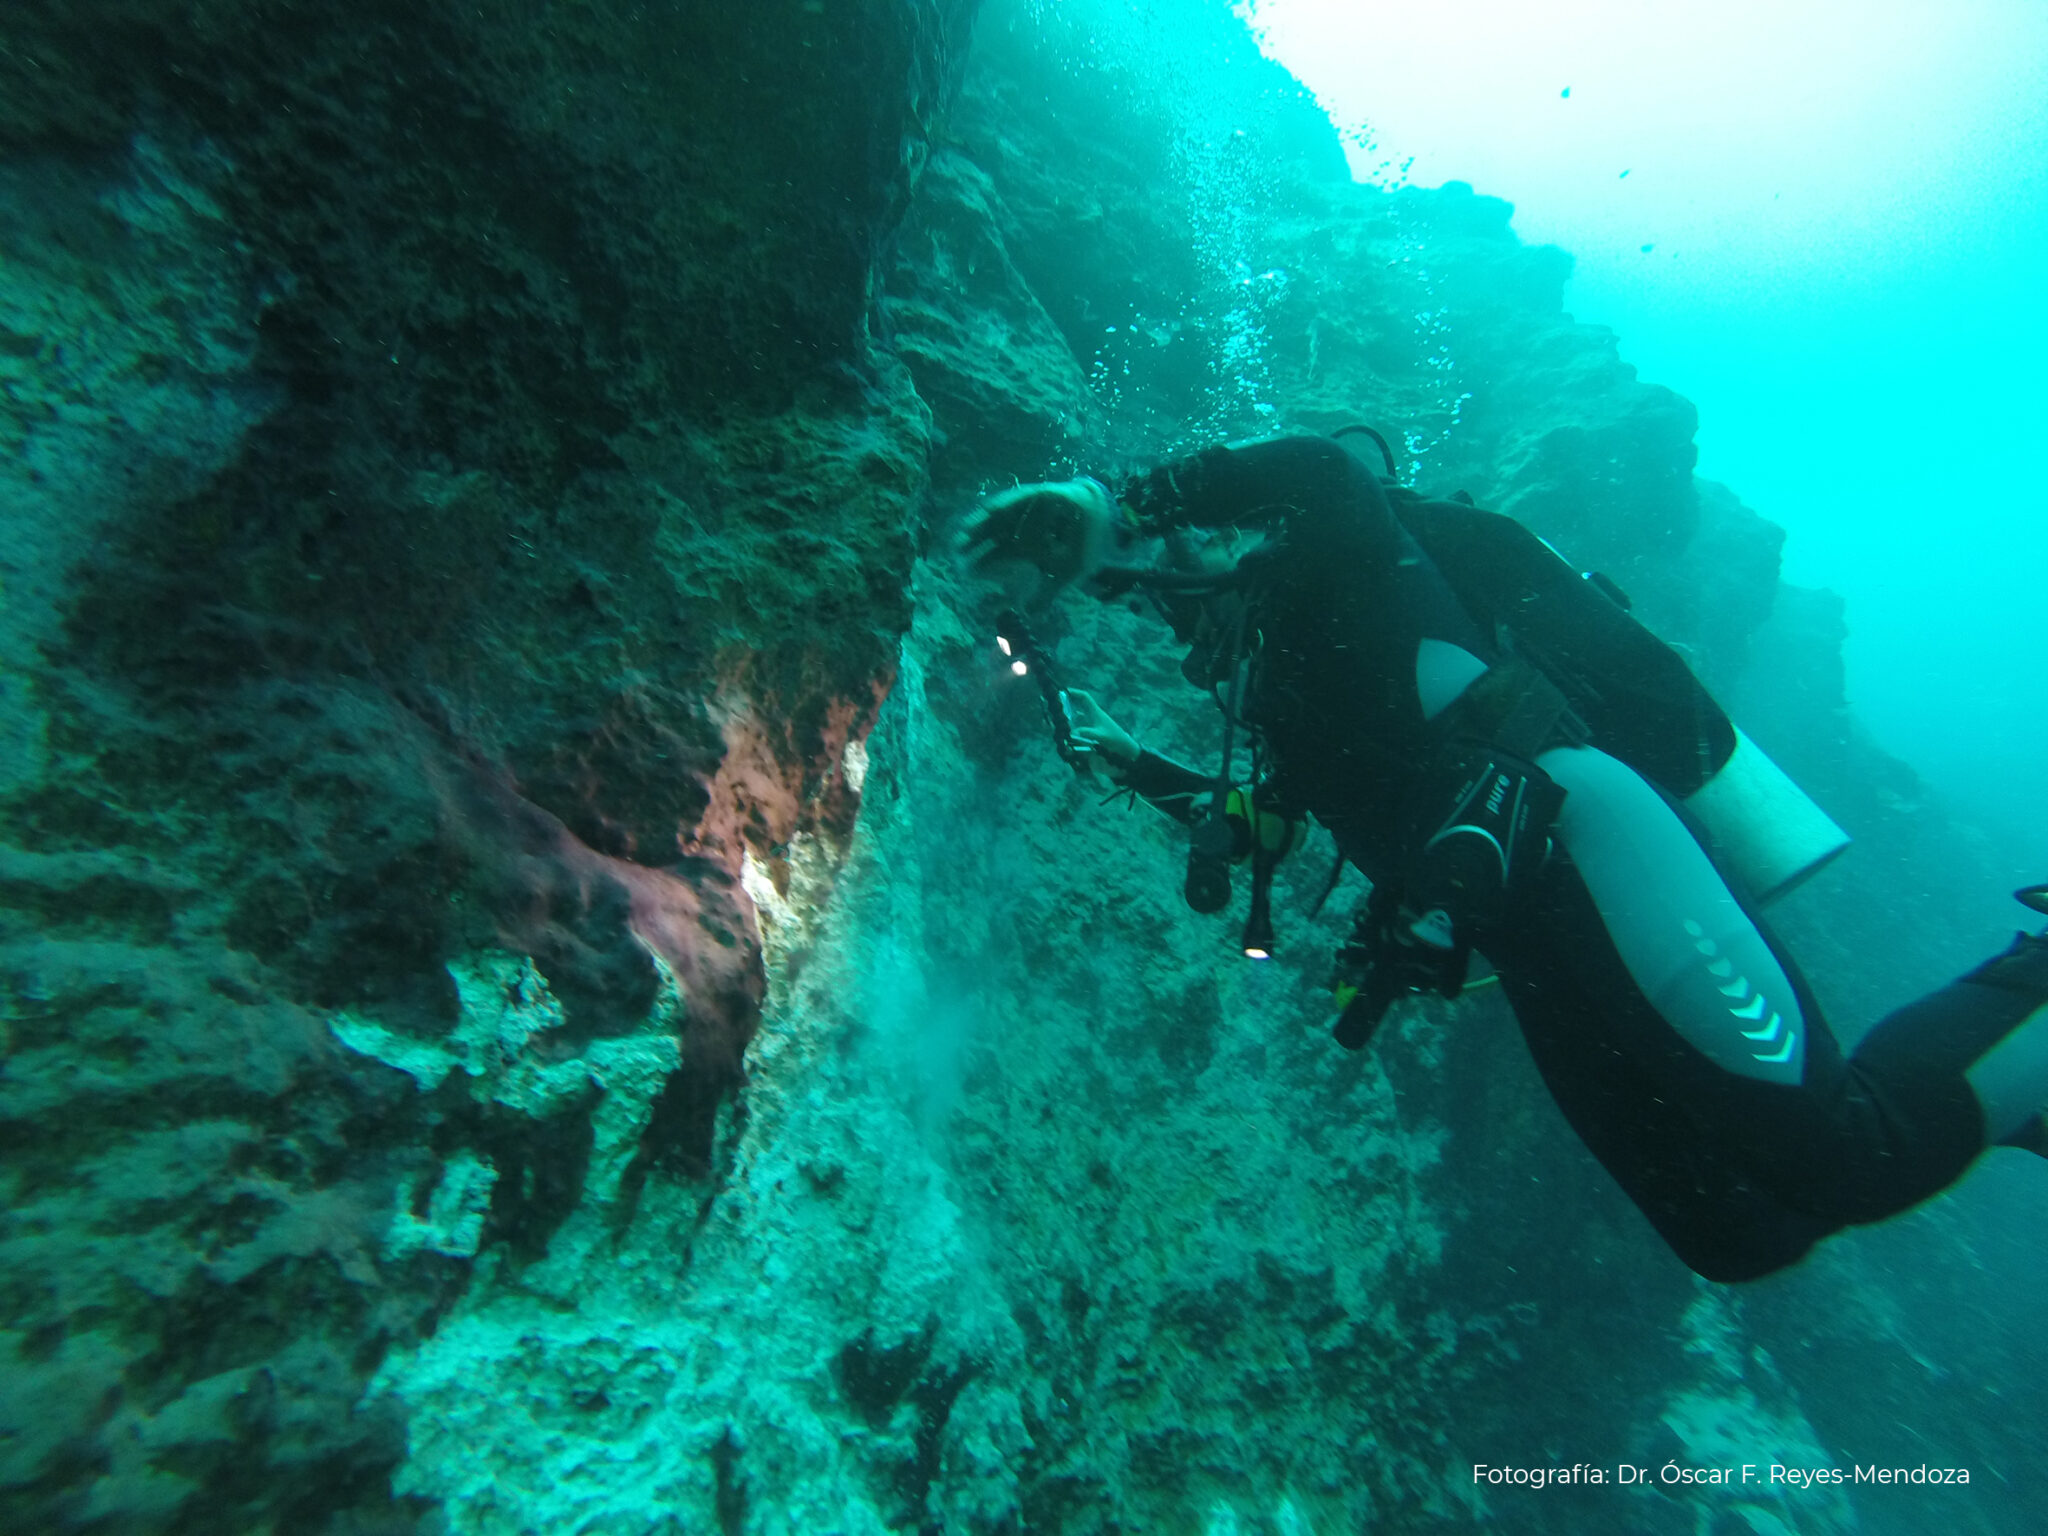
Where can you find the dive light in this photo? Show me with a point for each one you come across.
(1215, 840)
(1027, 656)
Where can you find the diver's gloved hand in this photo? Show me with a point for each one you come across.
(1093, 731)
(1037, 539)
(1382, 961)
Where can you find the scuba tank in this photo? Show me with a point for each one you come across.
(1637, 697)
(1761, 825)
(1600, 677)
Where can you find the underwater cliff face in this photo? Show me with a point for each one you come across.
(550, 982)
(454, 510)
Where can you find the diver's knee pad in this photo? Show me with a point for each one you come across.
(1695, 954)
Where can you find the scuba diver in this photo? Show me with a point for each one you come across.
(1523, 771)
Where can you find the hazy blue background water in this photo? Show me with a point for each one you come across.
(1824, 222)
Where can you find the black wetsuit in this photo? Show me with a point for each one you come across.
(1741, 1174)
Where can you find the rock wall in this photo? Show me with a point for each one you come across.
(551, 981)
(456, 515)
